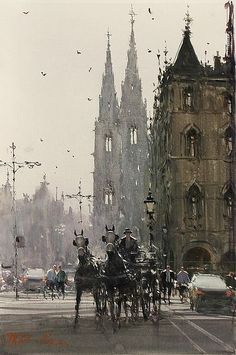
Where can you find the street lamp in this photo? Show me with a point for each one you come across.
(18, 240)
(164, 244)
(150, 209)
(79, 197)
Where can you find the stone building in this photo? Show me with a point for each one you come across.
(121, 150)
(107, 154)
(193, 158)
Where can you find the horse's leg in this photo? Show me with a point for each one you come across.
(125, 299)
(118, 312)
(78, 298)
(136, 303)
(111, 304)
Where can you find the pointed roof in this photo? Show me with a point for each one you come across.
(186, 61)
(131, 98)
(108, 104)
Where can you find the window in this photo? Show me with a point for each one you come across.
(194, 202)
(192, 142)
(108, 194)
(229, 137)
(228, 193)
(133, 135)
(108, 143)
(229, 104)
(108, 198)
(188, 99)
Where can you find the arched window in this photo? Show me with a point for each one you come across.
(188, 99)
(192, 142)
(228, 193)
(229, 104)
(229, 140)
(194, 202)
(108, 194)
(133, 135)
(108, 143)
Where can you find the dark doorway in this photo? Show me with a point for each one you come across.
(197, 259)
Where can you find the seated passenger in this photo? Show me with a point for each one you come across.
(128, 246)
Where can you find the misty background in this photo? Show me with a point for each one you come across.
(47, 115)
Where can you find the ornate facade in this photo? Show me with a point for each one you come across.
(121, 151)
(193, 158)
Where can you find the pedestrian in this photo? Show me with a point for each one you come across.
(230, 280)
(51, 277)
(61, 280)
(167, 280)
(182, 282)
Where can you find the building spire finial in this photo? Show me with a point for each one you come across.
(7, 176)
(188, 21)
(108, 39)
(132, 16)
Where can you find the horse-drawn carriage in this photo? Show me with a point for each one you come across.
(116, 282)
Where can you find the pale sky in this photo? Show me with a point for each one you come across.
(56, 107)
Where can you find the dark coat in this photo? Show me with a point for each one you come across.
(163, 277)
(127, 248)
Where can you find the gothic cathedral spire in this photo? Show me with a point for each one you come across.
(133, 130)
(107, 147)
(108, 104)
(131, 87)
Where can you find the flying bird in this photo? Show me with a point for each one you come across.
(68, 150)
(149, 10)
(78, 52)
(208, 43)
(56, 167)
(43, 74)
(153, 18)
(41, 140)
(73, 156)
(90, 69)
(89, 99)
(25, 12)
(149, 50)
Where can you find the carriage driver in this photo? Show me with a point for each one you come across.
(128, 246)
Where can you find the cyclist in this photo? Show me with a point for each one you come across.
(182, 282)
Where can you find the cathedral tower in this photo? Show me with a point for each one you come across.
(107, 152)
(133, 129)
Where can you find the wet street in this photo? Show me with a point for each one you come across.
(33, 325)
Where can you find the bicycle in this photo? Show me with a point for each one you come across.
(51, 291)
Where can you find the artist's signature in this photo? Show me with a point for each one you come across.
(21, 338)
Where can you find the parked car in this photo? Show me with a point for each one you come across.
(33, 279)
(208, 292)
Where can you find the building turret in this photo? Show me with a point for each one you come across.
(193, 160)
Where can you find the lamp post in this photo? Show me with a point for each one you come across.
(79, 197)
(164, 244)
(18, 240)
(150, 210)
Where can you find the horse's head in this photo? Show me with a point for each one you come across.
(81, 243)
(110, 236)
